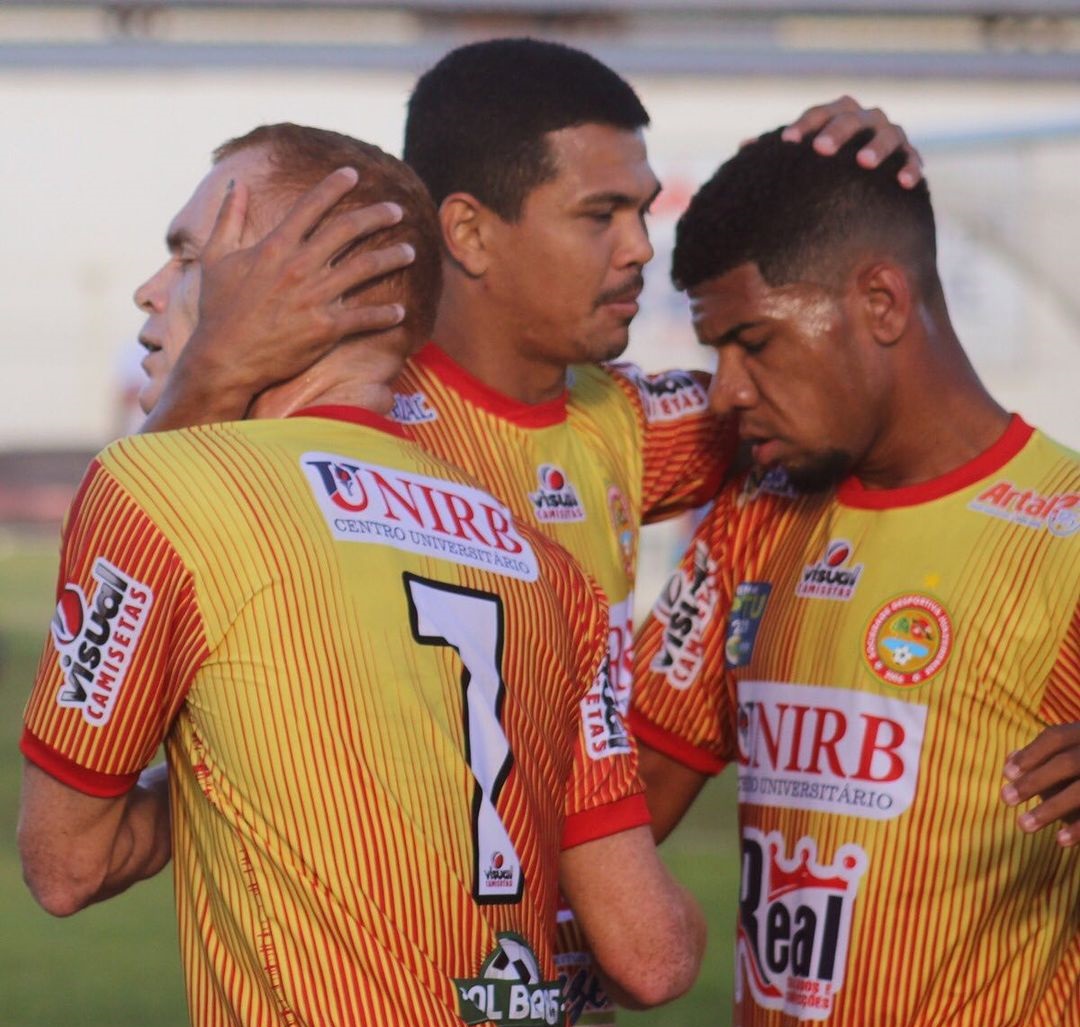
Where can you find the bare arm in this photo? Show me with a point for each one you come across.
(670, 789)
(268, 311)
(835, 123)
(646, 932)
(1048, 768)
(77, 849)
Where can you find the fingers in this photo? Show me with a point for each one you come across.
(306, 213)
(1054, 740)
(1049, 767)
(228, 227)
(1063, 805)
(838, 122)
(363, 320)
(362, 267)
(342, 230)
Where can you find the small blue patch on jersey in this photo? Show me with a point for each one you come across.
(747, 609)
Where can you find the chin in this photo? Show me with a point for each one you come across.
(820, 471)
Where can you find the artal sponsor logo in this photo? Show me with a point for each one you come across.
(364, 502)
(412, 408)
(555, 499)
(908, 640)
(1058, 512)
(96, 638)
(831, 577)
(830, 750)
(794, 929)
(510, 989)
(685, 608)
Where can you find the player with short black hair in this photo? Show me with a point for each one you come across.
(871, 623)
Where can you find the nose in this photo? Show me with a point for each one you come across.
(732, 388)
(150, 296)
(636, 250)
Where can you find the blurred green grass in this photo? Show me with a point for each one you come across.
(117, 964)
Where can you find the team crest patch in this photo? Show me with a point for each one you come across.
(795, 923)
(95, 639)
(412, 408)
(686, 608)
(623, 526)
(908, 640)
(509, 989)
(831, 577)
(555, 499)
(1058, 513)
(747, 609)
(433, 517)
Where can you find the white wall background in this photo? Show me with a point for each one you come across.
(94, 164)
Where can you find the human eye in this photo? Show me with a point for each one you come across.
(753, 343)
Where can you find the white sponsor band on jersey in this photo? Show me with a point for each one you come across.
(364, 502)
(832, 750)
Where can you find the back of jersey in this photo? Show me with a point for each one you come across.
(372, 683)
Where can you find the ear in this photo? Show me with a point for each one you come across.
(466, 232)
(886, 298)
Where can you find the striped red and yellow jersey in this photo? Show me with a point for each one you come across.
(868, 660)
(619, 448)
(385, 707)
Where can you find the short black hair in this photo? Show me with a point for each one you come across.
(477, 120)
(800, 216)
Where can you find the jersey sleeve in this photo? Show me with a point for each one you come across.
(123, 645)
(686, 449)
(681, 701)
(1061, 700)
(605, 795)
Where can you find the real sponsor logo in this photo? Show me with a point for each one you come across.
(601, 721)
(668, 396)
(412, 408)
(623, 526)
(1057, 512)
(795, 923)
(747, 609)
(831, 750)
(908, 640)
(584, 996)
(364, 502)
(96, 638)
(831, 577)
(685, 608)
(555, 499)
(510, 989)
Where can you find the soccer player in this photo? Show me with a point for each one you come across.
(869, 621)
(534, 154)
(373, 686)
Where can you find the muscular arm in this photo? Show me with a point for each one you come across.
(670, 789)
(77, 849)
(646, 932)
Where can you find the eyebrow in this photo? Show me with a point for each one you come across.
(176, 239)
(732, 334)
(620, 199)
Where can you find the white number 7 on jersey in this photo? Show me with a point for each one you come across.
(471, 623)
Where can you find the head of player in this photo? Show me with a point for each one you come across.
(534, 154)
(816, 282)
(278, 163)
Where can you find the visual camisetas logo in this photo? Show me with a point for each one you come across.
(555, 499)
(1058, 512)
(831, 577)
(685, 608)
(795, 923)
(510, 989)
(668, 396)
(96, 638)
(601, 721)
(364, 502)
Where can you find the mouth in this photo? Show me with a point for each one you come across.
(623, 302)
(149, 345)
(764, 449)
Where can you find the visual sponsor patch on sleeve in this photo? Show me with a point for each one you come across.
(96, 637)
(685, 608)
(601, 722)
(434, 517)
(668, 396)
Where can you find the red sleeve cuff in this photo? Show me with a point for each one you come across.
(678, 749)
(602, 821)
(66, 771)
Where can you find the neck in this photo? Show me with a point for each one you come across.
(357, 373)
(941, 417)
(489, 346)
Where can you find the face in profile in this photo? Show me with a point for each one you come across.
(170, 297)
(567, 273)
(794, 370)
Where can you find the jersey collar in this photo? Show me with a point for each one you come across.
(851, 492)
(525, 415)
(354, 415)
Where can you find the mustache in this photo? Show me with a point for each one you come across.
(627, 290)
